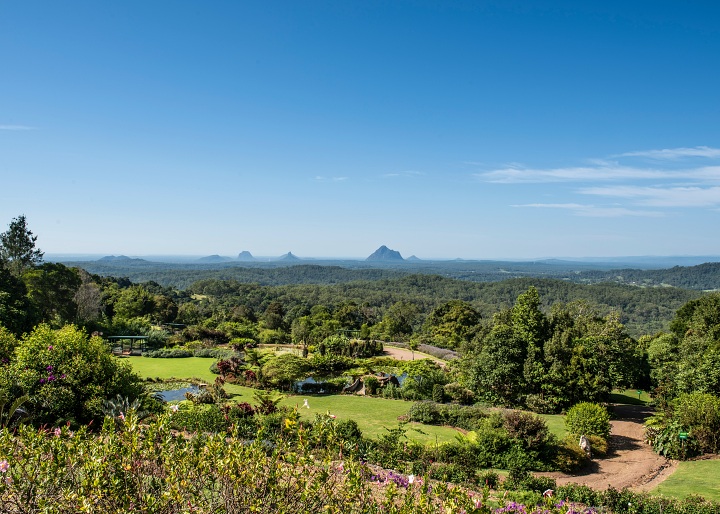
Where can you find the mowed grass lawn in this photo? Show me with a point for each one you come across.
(374, 416)
(693, 477)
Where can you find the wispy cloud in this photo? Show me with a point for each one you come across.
(407, 174)
(592, 210)
(614, 169)
(16, 127)
(632, 186)
(330, 179)
(518, 175)
(676, 153)
(661, 196)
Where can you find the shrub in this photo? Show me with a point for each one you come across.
(372, 384)
(700, 413)
(68, 375)
(489, 478)
(459, 394)
(588, 419)
(530, 430)
(213, 353)
(450, 472)
(169, 353)
(569, 456)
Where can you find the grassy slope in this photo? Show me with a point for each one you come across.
(693, 477)
(373, 415)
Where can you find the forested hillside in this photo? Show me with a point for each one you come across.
(703, 277)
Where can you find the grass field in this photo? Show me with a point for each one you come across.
(630, 397)
(373, 415)
(693, 477)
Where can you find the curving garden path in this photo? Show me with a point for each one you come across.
(631, 463)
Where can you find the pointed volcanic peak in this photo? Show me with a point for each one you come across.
(385, 254)
(245, 256)
(289, 257)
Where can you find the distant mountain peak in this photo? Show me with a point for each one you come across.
(245, 256)
(213, 258)
(413, 258)
(385, 254)
(289, 257)
(119, 258)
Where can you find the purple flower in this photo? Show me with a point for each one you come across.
(49, 368)
(42, 380)
(50, 347)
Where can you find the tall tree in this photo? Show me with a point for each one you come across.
(17, 247)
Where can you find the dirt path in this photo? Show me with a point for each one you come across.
(403, 354)
(631, 463)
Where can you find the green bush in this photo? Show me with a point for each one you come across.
(490, 479)
(450, 472)
(438, 393)
(68, 375)
(530, 430)
(459, 394)
(588, 419)
(372, 384)
(169, 353)
(700, 413)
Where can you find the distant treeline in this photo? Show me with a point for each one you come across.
(703, 277)
(643, 310)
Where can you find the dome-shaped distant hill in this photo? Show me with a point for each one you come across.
(413, 258)
(213, 258)
(245, 256)
(385, 254)
(120, 259)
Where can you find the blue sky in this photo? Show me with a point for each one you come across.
(477, 130)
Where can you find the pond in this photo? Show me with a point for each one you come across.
(174, 391)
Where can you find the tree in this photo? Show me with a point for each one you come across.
(88, 299)
(17, 247)
(452, 324)
(14, 303)
(51, 288)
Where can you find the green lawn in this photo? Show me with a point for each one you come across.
(373, 415)
(556, 424)
(630, 396)
(693, 477)
(189, 367)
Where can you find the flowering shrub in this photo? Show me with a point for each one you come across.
(68, 375)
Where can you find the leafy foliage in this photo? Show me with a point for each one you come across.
(588, 418)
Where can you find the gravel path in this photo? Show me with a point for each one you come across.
(631, 463)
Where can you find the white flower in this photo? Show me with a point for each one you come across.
(411, 479)
(174, 408)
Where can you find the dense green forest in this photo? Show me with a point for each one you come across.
(703, 277)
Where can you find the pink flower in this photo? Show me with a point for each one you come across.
(122, 416)
(4, 466)
(57, 431)
(333, 416)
